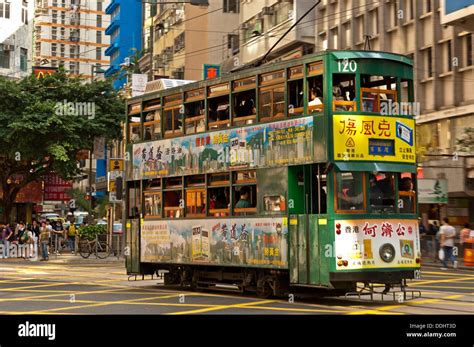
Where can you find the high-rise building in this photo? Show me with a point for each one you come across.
(185, 41)
(71, 33)
(16, 27)
(125, 32)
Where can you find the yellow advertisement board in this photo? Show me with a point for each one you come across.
(373, 138)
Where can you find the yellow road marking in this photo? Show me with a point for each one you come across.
(223, 307)
(445, 280)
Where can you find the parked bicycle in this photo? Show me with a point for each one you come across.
(100, 248)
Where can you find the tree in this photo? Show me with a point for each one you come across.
(466, 144)
(45, 122)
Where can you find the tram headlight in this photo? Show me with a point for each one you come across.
(387, 252)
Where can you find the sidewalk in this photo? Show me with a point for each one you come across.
(66, 258)
(429, 262)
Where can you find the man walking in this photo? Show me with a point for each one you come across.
(7, 234)
(448, 234)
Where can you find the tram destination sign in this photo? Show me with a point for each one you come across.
(262, 145)
(373, 138)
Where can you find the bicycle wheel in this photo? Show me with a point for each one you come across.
(103, 249)
(84, 248)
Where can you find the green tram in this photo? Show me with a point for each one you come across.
(296, 174)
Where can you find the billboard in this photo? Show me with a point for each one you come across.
(263, 145)
(234, 241)
(373, 138)
(55, 188)
(432, 191)
(359, 243)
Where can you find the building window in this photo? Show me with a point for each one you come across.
(99, 36)
(429, 62)
(179, 43)
(427, 4)
(24, 14)
(374, 21)
(335, 38)
(63, 49)
(63, 17)
(5, 10)
(5, 59)
(394, 14)
(449, 56)
(23, 59)
(468, 50)
(99, 21)
(411, 9)
(54, 16)
(99, 5)
(54, 48)
(98, 53)
(231, 6)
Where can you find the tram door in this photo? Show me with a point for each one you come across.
(309, 209)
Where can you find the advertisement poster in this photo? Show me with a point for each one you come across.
(55, 188)
(265, 145)
(378, 138)
(432, 191)
(358, 243)
(259, 242)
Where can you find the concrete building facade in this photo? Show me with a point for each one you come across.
(71, 33)
(16, 28)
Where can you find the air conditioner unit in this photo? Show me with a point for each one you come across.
(267, 11)
(8, 47)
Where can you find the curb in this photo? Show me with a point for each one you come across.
(438, 266)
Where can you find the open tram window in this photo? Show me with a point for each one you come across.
(350, 191)
(344, 92)
(245, 111)
(195, 117)
(319, 189)
(382, 192)
(133, 196)
(219, 200)
(173, 124)
(173, 197)
(406, 193)
(195, 196)
(218, 116)
(134, 129)
(245, 199)
(295, 98)
(152, 126)
(378, 94)
(315, 94)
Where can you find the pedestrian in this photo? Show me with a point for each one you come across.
(71, 237)
(7, 234)
(44, 241)
(35, 228)
(448, 234)
(465, 235)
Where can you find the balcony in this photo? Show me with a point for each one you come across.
(113, 26)
(112, 6)
(109, 51)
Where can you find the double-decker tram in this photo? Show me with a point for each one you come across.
(295, 175)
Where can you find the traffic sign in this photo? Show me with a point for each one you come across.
(115, 164)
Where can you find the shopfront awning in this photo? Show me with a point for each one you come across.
(379, 167)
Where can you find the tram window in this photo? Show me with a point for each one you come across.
(319, 197)
(173, 123)
(272, 102)
(315, 94)
(173, 182)
(173, 204)
(245, 111)
(245, 199)
(274, 203)
(243, 177)
(194, 113)
(217, 179)
(344, 92)
(133, 202)
(218, 116)
(219, 201)
(350, 188)
(378, 93)
(152, 204)
(382, 192)
(195, 202)
(134, 129)
(152, 126)
(406, 193)
(295, 98)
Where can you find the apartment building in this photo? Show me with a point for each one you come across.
(71, 33)
(125, 32)
(182, 38)
(16, 27)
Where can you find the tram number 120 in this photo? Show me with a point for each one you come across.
(417, 274)
(346, 65)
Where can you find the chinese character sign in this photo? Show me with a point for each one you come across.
(373, 138)
(358, 243)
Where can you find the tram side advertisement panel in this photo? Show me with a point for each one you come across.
(252, 242)
(376, 243)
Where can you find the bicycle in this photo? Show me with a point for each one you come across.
(100, 248)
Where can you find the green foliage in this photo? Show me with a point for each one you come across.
(80, 198)
(36, 139)
(89, 232)
(466, 144)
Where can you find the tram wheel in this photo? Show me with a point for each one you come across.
(264, 290)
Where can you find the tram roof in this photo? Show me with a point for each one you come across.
(337, 54)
